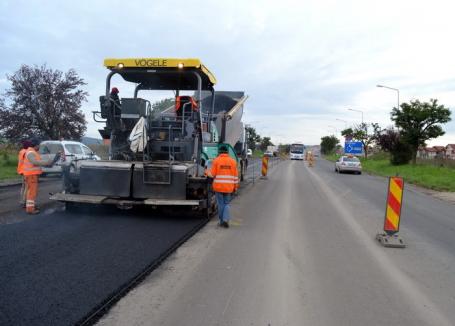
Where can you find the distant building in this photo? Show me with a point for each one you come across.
(431, 152)
(440, 151)
(450, 151)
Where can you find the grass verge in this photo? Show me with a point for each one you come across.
(426, 175)
(8, 164)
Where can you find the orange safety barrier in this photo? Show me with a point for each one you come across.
(265, 166)
(390, 237)
(393, 210)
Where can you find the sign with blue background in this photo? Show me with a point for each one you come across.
(353, 147)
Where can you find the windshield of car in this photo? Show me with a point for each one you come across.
(73, 148)
(87, 151)
(50, 148)
(351, 159)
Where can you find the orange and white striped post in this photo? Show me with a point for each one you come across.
(265, 167)
(393, 214)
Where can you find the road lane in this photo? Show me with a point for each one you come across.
(56, 268)
(423, 215)
(301, 251)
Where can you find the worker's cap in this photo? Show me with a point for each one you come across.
(26, 143)
(114, 90)
(223, 149)
(34, 141)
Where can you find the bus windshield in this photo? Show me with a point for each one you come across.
(297, 148)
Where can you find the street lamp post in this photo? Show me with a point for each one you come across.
(345, 123)
(394, 89)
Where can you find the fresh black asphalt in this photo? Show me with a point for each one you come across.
(55, 269)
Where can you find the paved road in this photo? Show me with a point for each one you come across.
(301, 251)
(57, 266)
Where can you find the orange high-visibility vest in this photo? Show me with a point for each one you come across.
(20, 161)
(29, 168)
(225, 174)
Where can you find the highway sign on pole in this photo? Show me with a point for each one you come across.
(353, 147)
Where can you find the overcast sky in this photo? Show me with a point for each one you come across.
(303, 63)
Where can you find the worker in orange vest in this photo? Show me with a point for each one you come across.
(225, 182)
(20, 167)
(31, 170)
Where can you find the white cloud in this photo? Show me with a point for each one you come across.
(303, 63)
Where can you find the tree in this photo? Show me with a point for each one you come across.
(361, 132)
(252, 137)
(389, 140)
(284, 148)
(419, 122)
(266, 141)
(328, 144)
(43, 102)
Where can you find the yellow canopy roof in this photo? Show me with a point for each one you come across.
(159, 63)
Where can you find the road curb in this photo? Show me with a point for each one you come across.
(11, 182)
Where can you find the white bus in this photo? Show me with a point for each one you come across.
(296, 152)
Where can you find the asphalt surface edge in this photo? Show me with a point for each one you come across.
(93, 316)
(99, 311)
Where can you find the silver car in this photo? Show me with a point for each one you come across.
(348, 164)
(71, 150)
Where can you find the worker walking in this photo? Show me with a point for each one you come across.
(310, 159)
(31, 171)
(20, 167)
(225, 183)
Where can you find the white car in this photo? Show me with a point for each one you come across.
(348, 163)
(249, 153)
(72, 150)
(268, 153)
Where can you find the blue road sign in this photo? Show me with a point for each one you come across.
(353, 147)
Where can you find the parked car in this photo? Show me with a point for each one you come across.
(72, 150)
(249, 153)
(348, 163)
(268, 153)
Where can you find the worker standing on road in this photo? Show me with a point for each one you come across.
(310, 159)
(225, 183)
(31, 171)
(20, 167)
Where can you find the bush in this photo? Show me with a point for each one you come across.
(401, 153)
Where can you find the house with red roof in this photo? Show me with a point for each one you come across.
(450, 151)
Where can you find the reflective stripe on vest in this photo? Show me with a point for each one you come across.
(29, 168)
(226, 179)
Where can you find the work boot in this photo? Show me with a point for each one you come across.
(225, 224)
